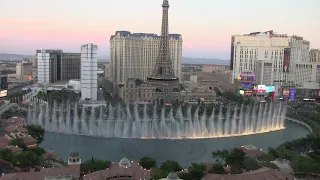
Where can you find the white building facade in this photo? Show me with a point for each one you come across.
(89, 71)
(48, 60)
(43, 66)
(275, 59)
(133, 55)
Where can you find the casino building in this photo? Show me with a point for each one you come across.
(276, 59)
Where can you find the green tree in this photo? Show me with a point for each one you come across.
(38, 150)
(6, 154)
(273, 152)
(197, 171)
(17, 142)
(314, 142)
(266, 157)
(220, 155)
(305, 164)
(94, 165)
(269, 165)
(250, 164)
(217, 169)
(285, 154)
(157, 173)
(25, 159)
(185, 176)
(37, 132)
(170, 166)
(235, 159)
(147, 162)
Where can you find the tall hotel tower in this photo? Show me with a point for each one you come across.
(55, 65)
(89, 71)
(133, 55)
(275, 58)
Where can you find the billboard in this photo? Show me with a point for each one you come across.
(315, 93)
(272, 96)
(261, 86)
(292, 94)
(3, 93)
(285, 92)
(247, 78)
(270, 89)
(286, 60)
(248, 93)
(241, 92)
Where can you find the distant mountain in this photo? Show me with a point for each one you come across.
(103, 60)
(187, 60)
(8, 57)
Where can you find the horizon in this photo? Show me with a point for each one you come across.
(33, 21)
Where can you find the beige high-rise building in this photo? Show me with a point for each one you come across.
(24, 68)
(133, 55)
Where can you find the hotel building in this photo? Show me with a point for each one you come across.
(133, 55)
(55, 65)
(275, 59)
(24, 68)
(89, 71)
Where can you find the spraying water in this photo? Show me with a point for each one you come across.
(144, 122)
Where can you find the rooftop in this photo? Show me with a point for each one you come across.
(249, 147)
(3, 142)
(29, 140)
(263, 173)
(14, 149)
(73, 171)
(134, 172)
(74, 154)
(141, 35)
(16, 128)
(50, 155)
(250, 150)
(14, 120)
(60, 83)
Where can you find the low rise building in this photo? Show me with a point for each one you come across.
(71, 172)
(213, 68)
(74, 85)
(251, 151)
(122, 170)
(15, 149)
(262, 173)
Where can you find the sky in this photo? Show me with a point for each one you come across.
(206, 26)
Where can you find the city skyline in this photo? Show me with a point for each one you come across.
(206, 32)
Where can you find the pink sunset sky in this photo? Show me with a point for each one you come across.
(206, 26)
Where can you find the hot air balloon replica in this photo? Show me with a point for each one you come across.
(247, 78)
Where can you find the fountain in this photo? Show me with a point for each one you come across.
(152, 122)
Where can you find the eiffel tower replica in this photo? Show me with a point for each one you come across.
(163, 77)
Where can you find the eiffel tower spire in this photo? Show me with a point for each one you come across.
(163, 67)
(163, 78)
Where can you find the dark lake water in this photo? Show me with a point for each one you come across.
(184, 151)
